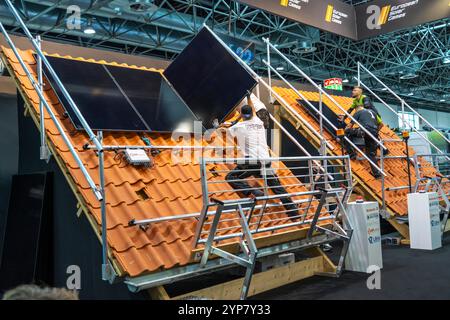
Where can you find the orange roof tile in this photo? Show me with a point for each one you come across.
(172, 188)
(395, 169)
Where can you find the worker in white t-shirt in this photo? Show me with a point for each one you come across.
(251, 138)
(259, 107)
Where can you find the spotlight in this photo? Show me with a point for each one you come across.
(89, 30)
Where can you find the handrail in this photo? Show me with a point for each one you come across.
(324, 92)
(52, 72)
(323, 116)
(42, 98)
(360, 65)
(405, 122)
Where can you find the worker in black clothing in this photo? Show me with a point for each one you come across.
(252, 141)
(367, 119)
(360, 99)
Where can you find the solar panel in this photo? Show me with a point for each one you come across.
(99, 99)
(153, 98)
(208, 78)
(326, 111)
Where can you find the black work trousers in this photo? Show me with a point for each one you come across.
(370, 145)
(235, 178)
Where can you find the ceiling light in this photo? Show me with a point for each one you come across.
(411, 94)
(446, 60)
(384, 89)
(409, 75)
(442, 100)
(89, 30)
(345, 81)
(306, 46)
(280, 68)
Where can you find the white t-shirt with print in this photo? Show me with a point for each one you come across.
(251, 138)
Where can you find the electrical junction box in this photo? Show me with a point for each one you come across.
(424, 221)
(365, 246)
(137, 157)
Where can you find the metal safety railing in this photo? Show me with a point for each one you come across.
(285, 193)
(404, 105)
(322, 93)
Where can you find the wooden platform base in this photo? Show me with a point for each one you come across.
(261, 282)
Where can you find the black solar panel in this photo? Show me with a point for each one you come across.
(153, 98)
(120, 99)
(96, 95)
(326, 111)
(205, 82)
(208, 78)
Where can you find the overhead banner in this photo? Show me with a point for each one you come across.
(332, 15)
(383, 16)
(370, 19)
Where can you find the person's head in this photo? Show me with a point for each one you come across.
(246, 112)
(34, 292)
(357, 92)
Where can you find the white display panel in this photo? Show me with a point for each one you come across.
(424, 221)
(365, 245)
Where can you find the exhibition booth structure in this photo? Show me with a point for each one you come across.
(141, 153)
(162, 206)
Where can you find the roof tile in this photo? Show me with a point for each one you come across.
(172, 187)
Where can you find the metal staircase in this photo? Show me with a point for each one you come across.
(228, 218)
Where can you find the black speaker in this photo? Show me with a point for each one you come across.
(27, 245)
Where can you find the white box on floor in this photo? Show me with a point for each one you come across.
(365, 246)
(424, 221)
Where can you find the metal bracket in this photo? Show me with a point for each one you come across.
(44, 153)
(108, 273)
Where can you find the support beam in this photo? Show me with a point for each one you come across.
(263, 281)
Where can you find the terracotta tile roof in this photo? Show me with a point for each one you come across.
(171, 188)
(396, 169)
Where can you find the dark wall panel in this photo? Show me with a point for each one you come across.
(75, 242)
(9, 143)
(27, 254)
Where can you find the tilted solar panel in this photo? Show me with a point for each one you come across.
(208, 78)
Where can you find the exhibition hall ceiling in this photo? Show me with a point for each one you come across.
(414, 62)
